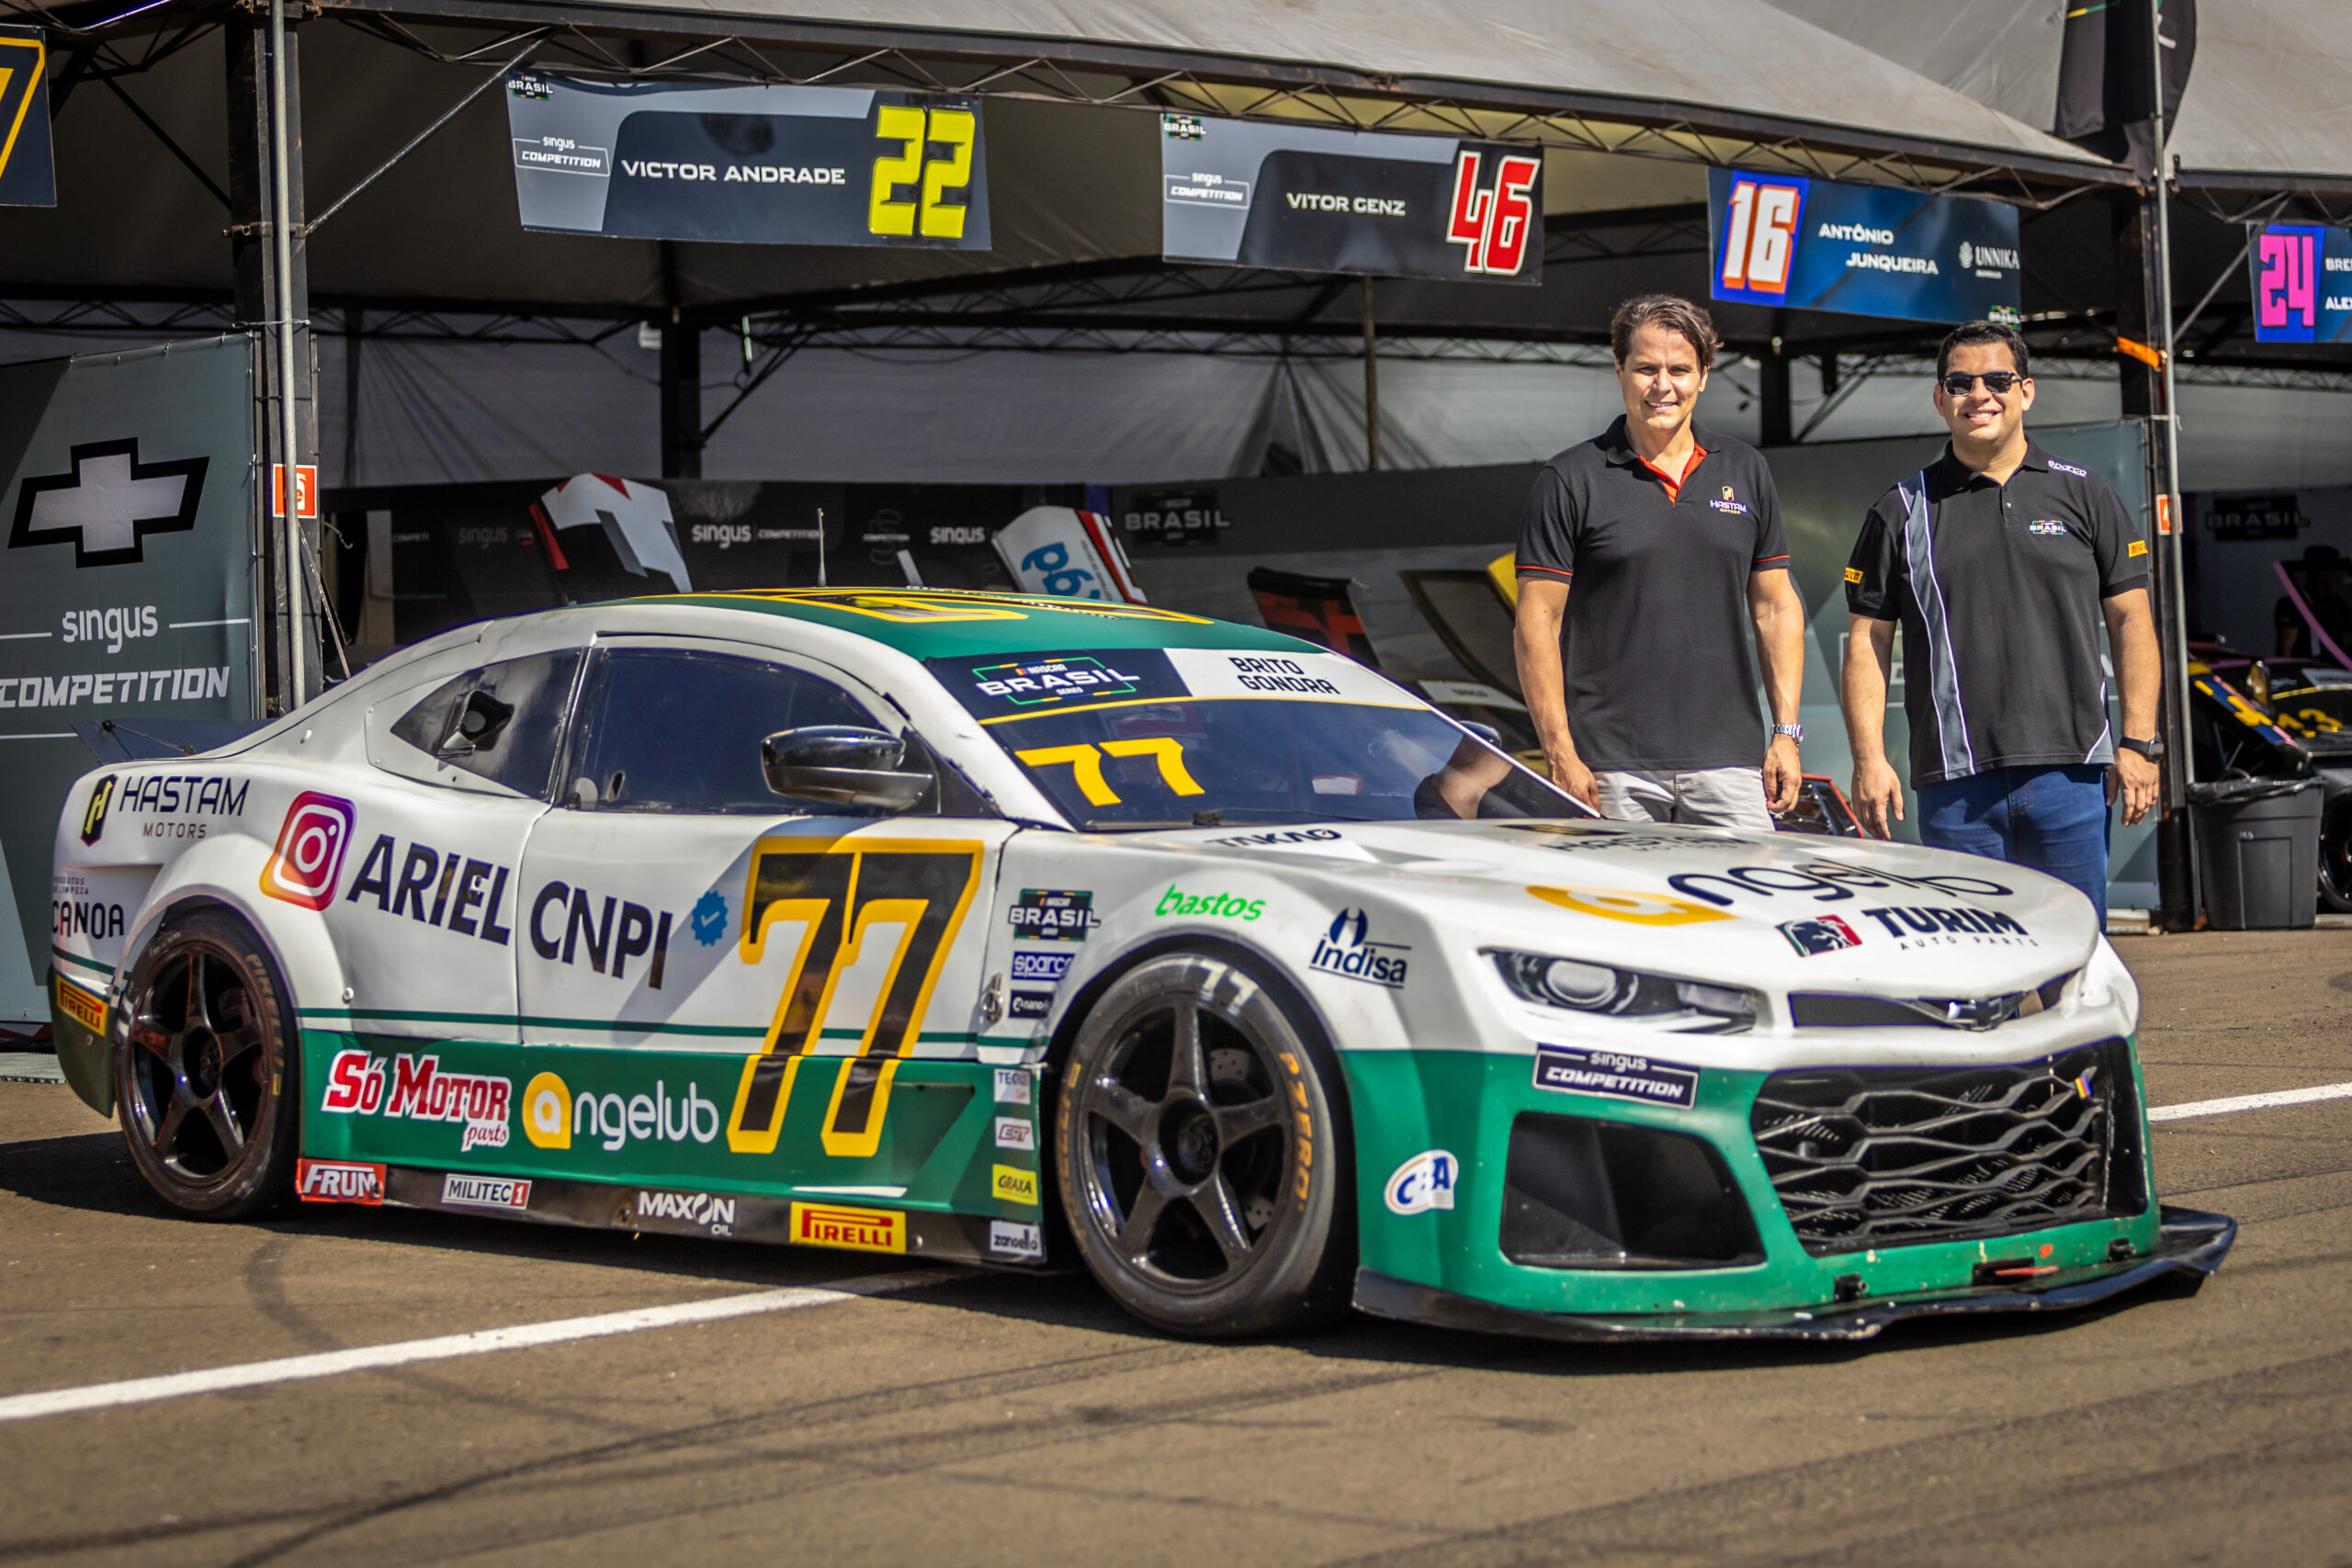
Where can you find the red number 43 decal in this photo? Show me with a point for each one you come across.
(1494, 223)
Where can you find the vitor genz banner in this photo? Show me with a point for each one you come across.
(1305, 199)
(1862, 250)
(759, 164)
(2302, 282)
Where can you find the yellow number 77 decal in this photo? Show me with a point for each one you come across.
(1086, 765)
(836, 889)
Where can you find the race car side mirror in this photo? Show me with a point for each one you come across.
(842, 765)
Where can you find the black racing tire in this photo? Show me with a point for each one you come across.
(2336, 855)
(207, 1070)
(1201, 1151)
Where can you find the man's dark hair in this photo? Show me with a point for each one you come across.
(1983, 332)
(1671, 311)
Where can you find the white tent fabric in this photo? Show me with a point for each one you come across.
(2268, 91)
(1738, 55)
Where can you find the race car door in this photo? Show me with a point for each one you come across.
(775, 962)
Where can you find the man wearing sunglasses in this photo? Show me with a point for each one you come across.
(2000, 561)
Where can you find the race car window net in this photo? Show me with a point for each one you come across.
(502, 722)
(1138, 739)
(678, 731)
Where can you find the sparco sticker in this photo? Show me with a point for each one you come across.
(1617, 1075)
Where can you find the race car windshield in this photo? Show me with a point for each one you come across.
(1129, 740)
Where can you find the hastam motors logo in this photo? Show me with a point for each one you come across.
(108, 504)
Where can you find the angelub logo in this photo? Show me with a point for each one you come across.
(1346, 950)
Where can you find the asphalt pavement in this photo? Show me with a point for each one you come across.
(994, 1420)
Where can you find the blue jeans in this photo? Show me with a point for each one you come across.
(2053, 819)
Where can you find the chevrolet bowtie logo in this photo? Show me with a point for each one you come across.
(109, 504)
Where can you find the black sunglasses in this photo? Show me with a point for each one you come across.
(1998, 382)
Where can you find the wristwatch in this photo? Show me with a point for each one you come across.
(2151, 749)
(1794, 731)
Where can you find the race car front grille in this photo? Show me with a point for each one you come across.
(1883, 1157)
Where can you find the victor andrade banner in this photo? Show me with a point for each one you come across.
(2302, 281)
(765, 165)
(1307, 200)
(1862, 250)
(126, 488)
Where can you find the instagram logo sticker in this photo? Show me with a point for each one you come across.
(302, 869)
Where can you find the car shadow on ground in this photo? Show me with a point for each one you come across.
(91, 1173)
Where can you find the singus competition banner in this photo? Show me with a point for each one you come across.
(1862, 249)
(127, 487)
(1307, 200)
(2302, 283)
(767, 166)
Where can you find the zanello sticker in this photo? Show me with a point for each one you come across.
(308, 857)
(1616, 1075)
(338, 1181)
(1422, 1183)
(1012, 1238)
(1051, 914)
(1011, 1086)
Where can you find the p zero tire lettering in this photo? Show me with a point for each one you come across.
(833, 890)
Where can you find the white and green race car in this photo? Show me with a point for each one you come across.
(1022, 931)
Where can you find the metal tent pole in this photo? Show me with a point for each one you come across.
(282, 244)
(2172, 611)
(1371, 385)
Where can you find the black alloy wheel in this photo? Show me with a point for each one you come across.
(1201, 1152)
(2336, 855)
(206, 1072)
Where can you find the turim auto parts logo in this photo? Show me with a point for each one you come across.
(308, 857)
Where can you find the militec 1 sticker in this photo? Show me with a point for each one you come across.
(1052, 914)
(1422, 1183)
(1616, 1075)
(485, 1192)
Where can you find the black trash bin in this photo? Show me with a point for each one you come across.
(2258, 841)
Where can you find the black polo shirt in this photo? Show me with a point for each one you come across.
(1655, 645)
(1998, 589)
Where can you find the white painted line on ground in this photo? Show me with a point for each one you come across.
(522, 1336)
(2250, 1102)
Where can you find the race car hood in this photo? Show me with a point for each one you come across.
(1778, 912)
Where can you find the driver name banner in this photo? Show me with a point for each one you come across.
(27, 173)
(2302, 278)
(1784, 240)
(1304, 198)
(758, 164)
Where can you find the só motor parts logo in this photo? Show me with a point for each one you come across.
(338, 1181)
(414, 1089)
(308, 858)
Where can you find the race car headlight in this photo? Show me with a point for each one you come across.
(1659, 1001)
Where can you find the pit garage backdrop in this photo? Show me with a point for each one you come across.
(126, 598)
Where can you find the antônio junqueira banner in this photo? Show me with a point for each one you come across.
(1307, 200)
(762, 164)
(1862, 249)
(2302, 282)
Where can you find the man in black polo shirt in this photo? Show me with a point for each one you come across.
(2000, 561)
(1639, 679)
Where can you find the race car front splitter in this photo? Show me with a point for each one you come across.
(2189, 1243)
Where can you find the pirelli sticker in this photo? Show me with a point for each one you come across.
(2136, 548)
(1853, 574)
(81, 1006)
(852, 1229)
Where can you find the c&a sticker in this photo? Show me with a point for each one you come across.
(1634, 908)
(1422, 1183)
